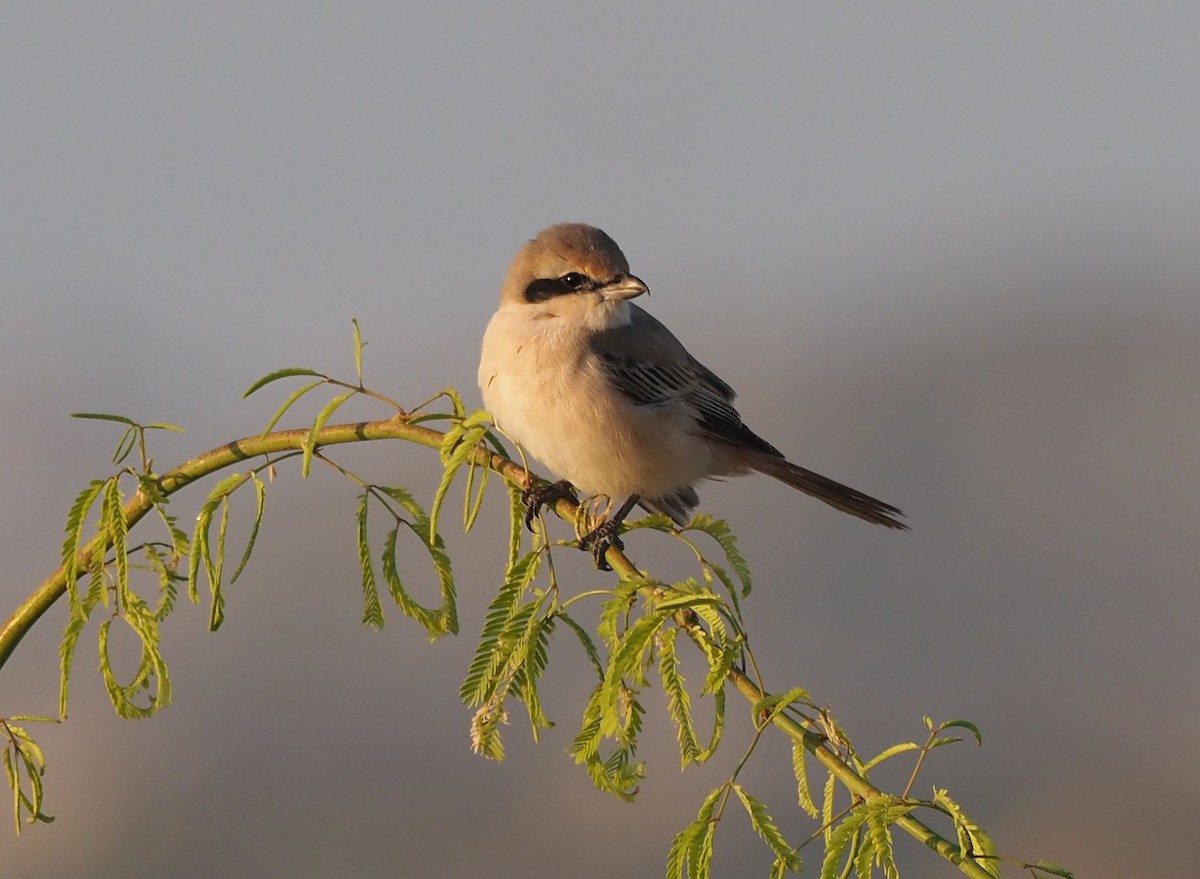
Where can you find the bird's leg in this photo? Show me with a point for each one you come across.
(600, 538)
(543, 494)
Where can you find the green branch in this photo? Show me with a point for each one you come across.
(405, 427)
(212, 461)
(815, 744)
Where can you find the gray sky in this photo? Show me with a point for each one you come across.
(948, 254)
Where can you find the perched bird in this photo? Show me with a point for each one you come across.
(610, 401)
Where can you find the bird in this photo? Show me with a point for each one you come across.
(610, 401)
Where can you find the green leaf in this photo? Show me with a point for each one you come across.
(765, 710)
(114, 524)
(942, 740)
(456, 401)
(431, 619)
(862, 859)
(828, 793)
(888, 753)
(1054, 869)
(629, 718)
(619, 773)
(70, 639)
(22, 752)
(203, 520)
(477, 422)
(14, 783)
(473, 504)
(216, 609)
(125, 445)
(76, 519)
(96, 574)
(278, 374)
(962, 724)
(152, 667)
(516, 523)
(443, 620)
(800, 770)
(528, 661)
(720, 666)
(973, 842)
(372, 609)
(718, 530)
(718, 727)
(727, 582)
(287, 404)
(202, 551)
(358, 350)
(839, 839)
(626, 661)
(490, 656)
(310, 442)
(617, 608)
(27, 751)
(168, 579)
(679, 704)
(167, 567)
(260, 500)
(589, 646)
(882, 812)
(766, 829)
(458, 446)
(100, 416)
(586, 744)
(690, 856)
(688, 600)
(653, 522)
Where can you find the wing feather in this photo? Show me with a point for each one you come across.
(647, 364)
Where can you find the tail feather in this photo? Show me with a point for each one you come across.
(677, 505)
(842, 497)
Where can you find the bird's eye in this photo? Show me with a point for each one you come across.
(574, 280)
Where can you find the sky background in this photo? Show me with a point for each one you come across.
(946, 252)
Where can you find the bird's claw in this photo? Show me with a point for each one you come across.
(599, 539)
(543, 494)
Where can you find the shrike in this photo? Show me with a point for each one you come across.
(610, 401)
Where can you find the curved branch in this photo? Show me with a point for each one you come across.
(230, 454)
(855, 783)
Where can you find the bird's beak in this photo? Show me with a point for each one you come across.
(623, 286)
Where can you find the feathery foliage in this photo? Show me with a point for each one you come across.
(643, 626)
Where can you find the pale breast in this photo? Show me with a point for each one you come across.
(547, 391)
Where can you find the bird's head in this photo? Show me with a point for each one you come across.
(573, 270)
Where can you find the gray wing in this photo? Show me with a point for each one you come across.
(647, 364)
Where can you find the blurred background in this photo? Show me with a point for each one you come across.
(947, 253)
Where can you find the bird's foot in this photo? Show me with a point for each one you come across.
(543, 494)
(599, 539)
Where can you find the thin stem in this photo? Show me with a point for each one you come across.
(591, 593)
(816, 834)
(912, 779)
(367, 392)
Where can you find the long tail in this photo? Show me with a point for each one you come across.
(844, 498)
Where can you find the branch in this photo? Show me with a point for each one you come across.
(54, 586)
(399, 427)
